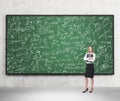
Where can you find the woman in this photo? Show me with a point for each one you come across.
(89, 72)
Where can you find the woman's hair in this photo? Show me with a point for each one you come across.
(91, 47)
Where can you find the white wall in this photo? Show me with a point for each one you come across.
(59, 7)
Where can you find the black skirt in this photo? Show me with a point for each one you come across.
(89, 72)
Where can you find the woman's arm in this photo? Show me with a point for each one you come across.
(85, 57)
(93, 58)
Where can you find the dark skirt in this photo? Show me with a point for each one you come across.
(89, 72)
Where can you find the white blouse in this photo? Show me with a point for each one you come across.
(89, 58)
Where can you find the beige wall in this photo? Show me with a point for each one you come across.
(59, 7)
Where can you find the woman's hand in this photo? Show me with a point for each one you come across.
(90, 58)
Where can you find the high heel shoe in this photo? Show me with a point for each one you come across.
(91, 90)
(85, 91)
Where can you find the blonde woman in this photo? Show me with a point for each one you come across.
(89, 71)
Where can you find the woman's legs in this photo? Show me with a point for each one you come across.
(86, 85)
(92, 83)
(86, 82)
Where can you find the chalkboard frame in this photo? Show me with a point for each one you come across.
(56, 15)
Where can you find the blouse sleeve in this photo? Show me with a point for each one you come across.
(94, 56)
(85, 57)
(93, 59)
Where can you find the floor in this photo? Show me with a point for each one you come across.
(58, 94)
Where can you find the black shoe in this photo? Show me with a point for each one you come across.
(85, 91)
(91, 91)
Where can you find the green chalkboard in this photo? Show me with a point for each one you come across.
(56, 44)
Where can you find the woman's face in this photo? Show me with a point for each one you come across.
(89, 49)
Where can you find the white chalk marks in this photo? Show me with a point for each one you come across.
(57, 44)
